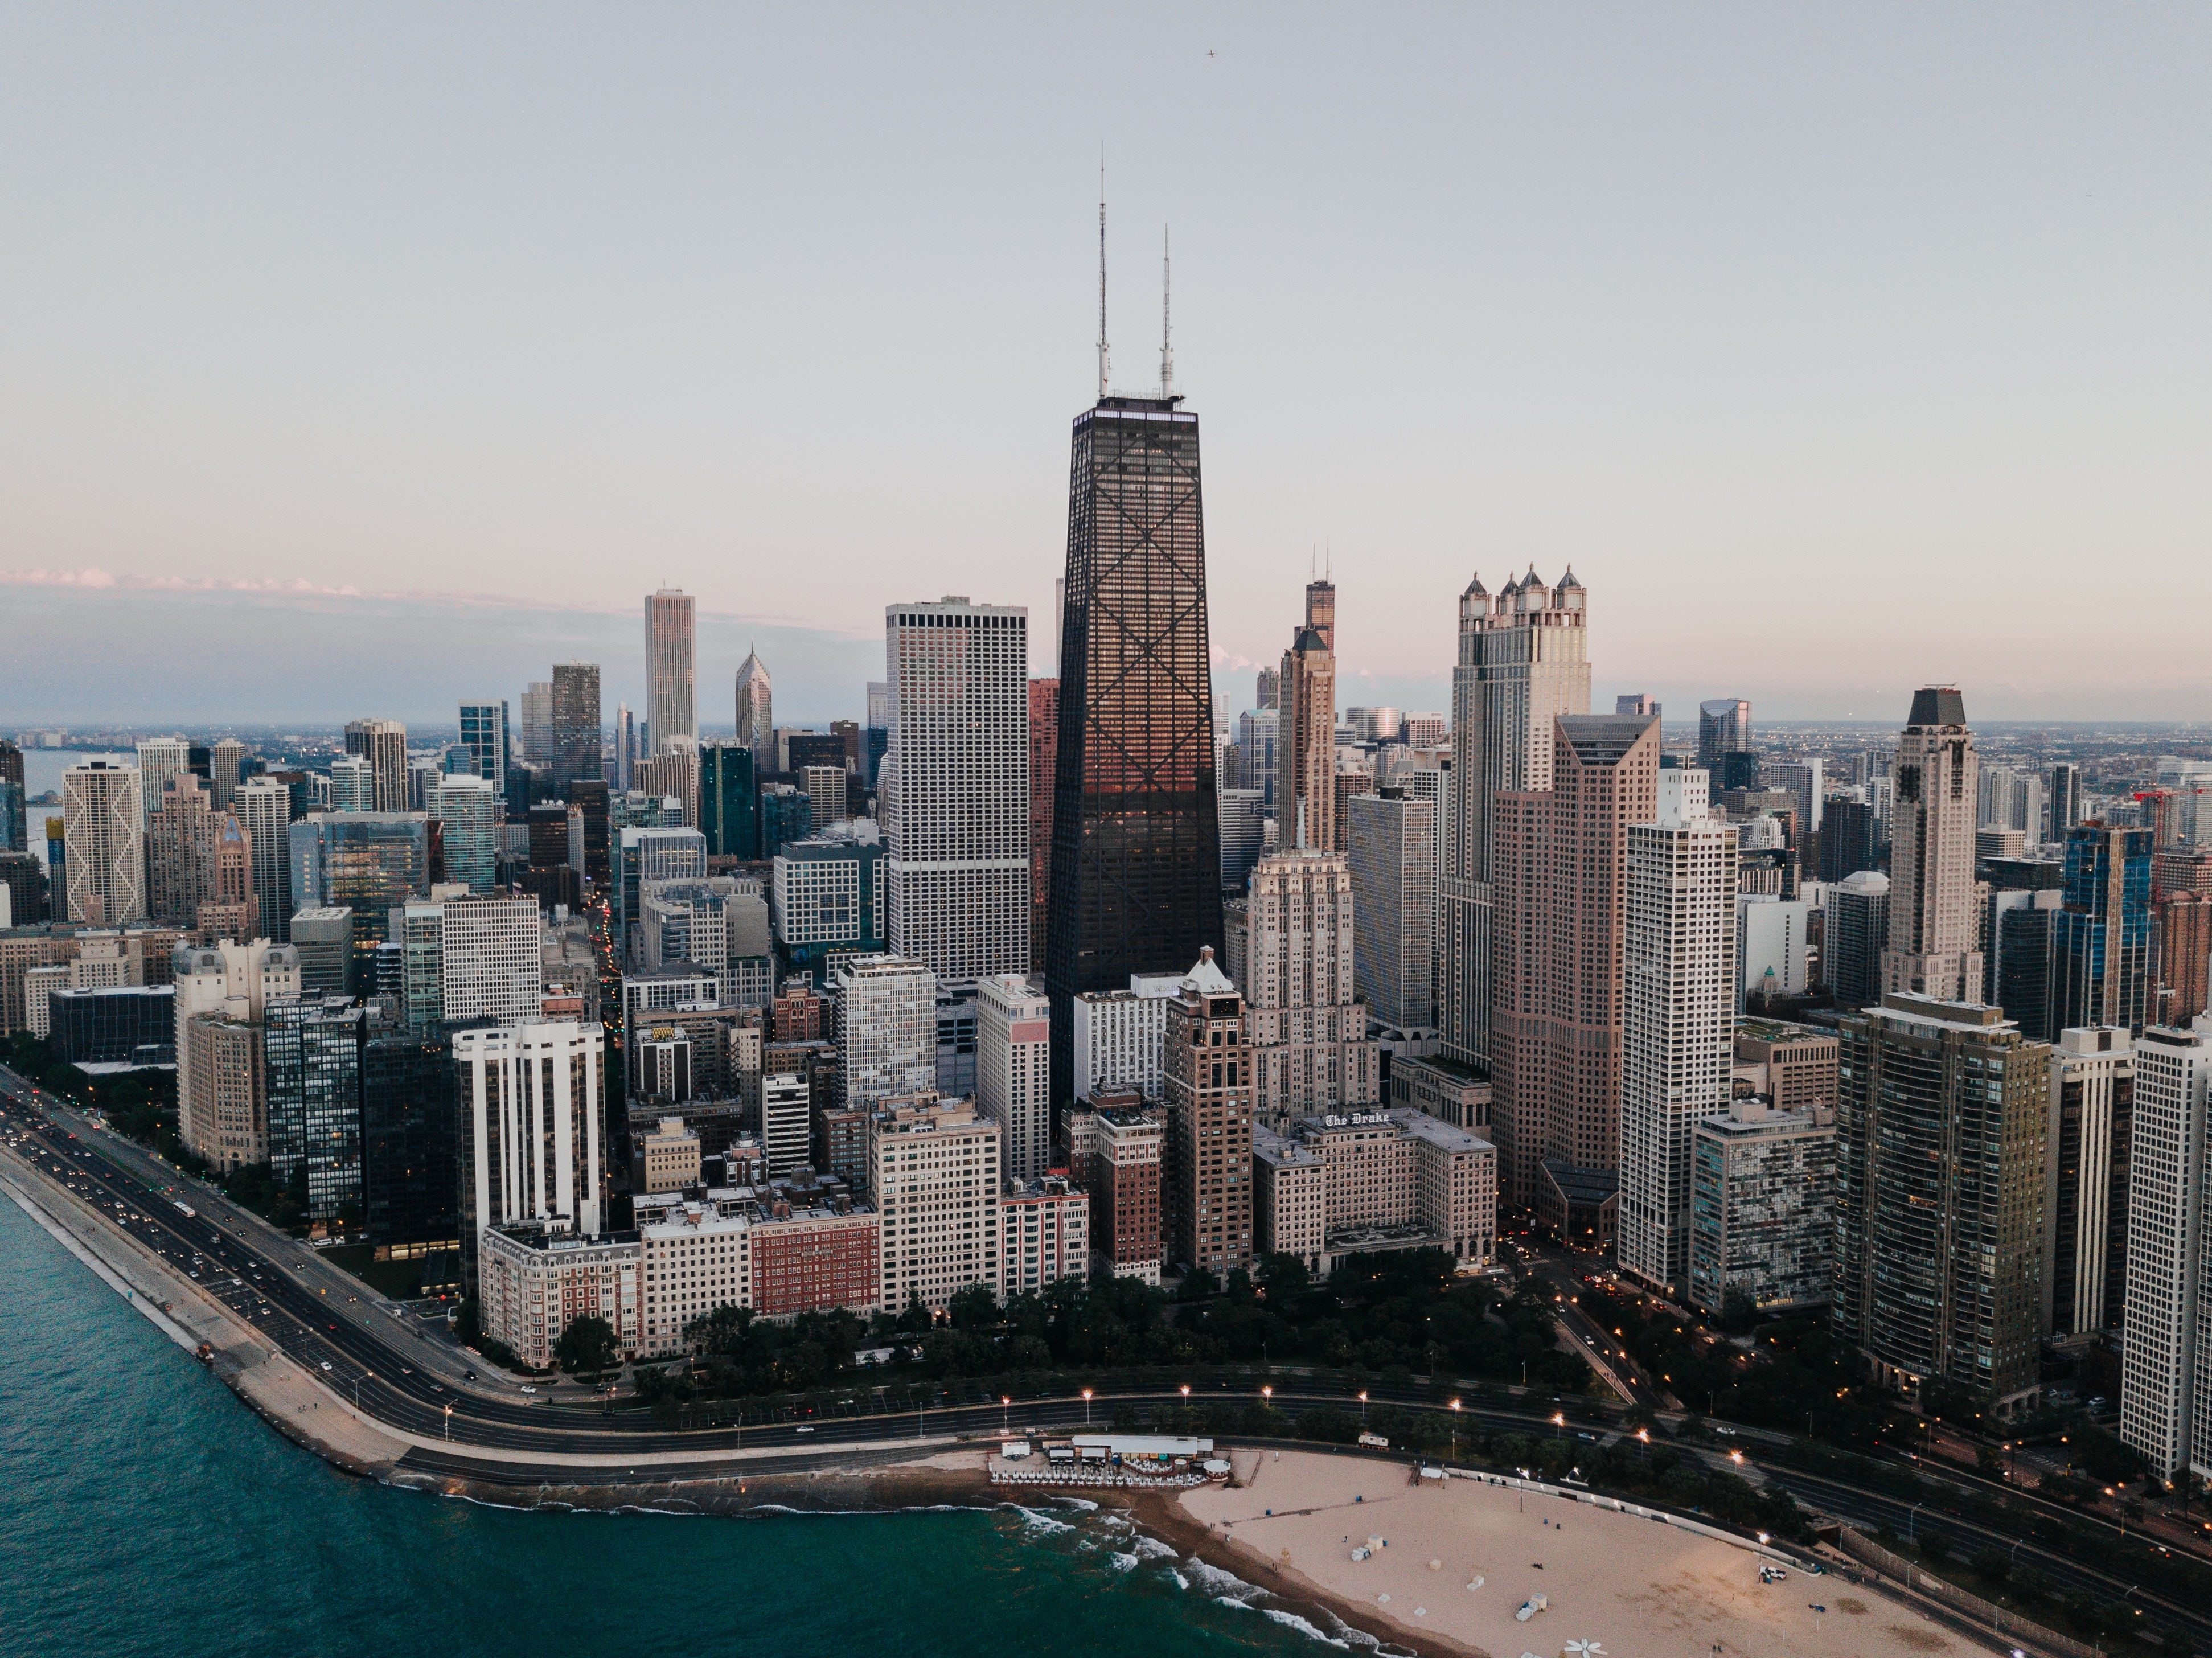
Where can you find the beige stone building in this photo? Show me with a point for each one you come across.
(1117, 1152)
(223, 996)
(1311, 1051)
(1290, 1197)
(534, 1281)
(1367, 1182)
(1047, 1234)
(668, 1157)
(1305, 747)
(935, 1171)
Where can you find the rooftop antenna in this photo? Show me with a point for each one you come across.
(1167, 353)
(1101, 272)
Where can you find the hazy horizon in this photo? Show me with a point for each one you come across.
(364, 362)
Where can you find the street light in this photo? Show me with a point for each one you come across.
(449, 1423)
(1268, 1398)
(1455, 1430)
(1005, 1405)
(1559, 1421)
(1087, 1408)
(1362, 1407)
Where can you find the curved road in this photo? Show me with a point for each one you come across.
(373, 1351)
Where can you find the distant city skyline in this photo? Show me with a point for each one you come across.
(1836, 382)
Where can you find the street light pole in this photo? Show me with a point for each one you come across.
(1455, 1430)
(1087, 1408)
(1362, 1407)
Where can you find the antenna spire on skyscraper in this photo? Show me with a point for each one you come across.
(1167, 353)
(1102, 271)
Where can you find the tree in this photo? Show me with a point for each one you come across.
(975, 1307)
(1283, 1276)
(916, 1319)
(1935, 1546)
(1198, 1285)
(588, 1344)
(1993, 1563)
(1739, 1312)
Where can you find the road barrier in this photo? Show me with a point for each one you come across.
(1869, 1552)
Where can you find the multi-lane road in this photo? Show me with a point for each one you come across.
(404, 1372)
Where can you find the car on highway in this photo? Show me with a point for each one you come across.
(326, 1365)
(527, 1388)
(803, 1428)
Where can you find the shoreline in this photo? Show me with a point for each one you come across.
(1162, 1513)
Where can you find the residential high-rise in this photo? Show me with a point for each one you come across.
(1259, 748)
(1763, 1206)
(531, 1136)
(1044, 749)
(492, 964)
(1393, 860)
(104, 819)
(1678, 1018)
(756, 716)
(2062, 800)
(180, 851)
(382, 744)
(264, 811)
(935, 1173)
(2101, 971)
(1934, 921)
(2164, 1415)
(2085, 1183)
(1013, 1069)
(410, 1153)
(671, 665)
(466, 811)
(956, 813)
(1855, 932)
(1209, 1062)
(672, 854)
(483, 734)
(538, 723)
(576, 731)
(1940, 1130)
(726, 813)
(2185, 956)
(1310, 1050)
(673, 774)
(1723, 727)
(314, 1070)
(222, 995)
(886, 1029)
(1306, 751)
(1560, 868)
(13, 828)
(226, 760)
(159, 758)
(1523, 660)
(323, 937)
(1114, 1153)
(1244, 836)
(824, 789)
(1136, 859)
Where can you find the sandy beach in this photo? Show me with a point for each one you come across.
(1638, 1588)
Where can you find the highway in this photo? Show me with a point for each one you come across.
(369, 1351)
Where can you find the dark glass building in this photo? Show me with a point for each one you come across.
(576, 735)
(592, 797)
(410, 1143)
(785, 815)
(1136, 854)
(725, 801)
(126, 1024)
(804, 749)
(1849, 841)
(314, 1098)
(2100, 943)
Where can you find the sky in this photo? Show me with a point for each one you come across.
(358, 360)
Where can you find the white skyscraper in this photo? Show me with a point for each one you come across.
(670, 667)
(531, 1109)
(353, 784)
(104, 820)
(1393, 841)
(1678, 1016)
(958, 815)
(493, 959)
(265, 812)
(1013, 1069)
(2164, 1413)
(160, 757)
(886, 1027)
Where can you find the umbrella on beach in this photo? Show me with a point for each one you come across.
(1584, 1650)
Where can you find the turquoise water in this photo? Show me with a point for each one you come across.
(145, 1510)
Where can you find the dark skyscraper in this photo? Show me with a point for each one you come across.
(575, 724)
(1724, 724)
(1136, 855)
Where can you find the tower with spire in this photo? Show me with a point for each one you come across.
(756, 712)
(1135, 883)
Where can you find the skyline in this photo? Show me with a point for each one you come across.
(1713, 310)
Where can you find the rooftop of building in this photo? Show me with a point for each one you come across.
(1753, 1117)
(1280, 1150)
